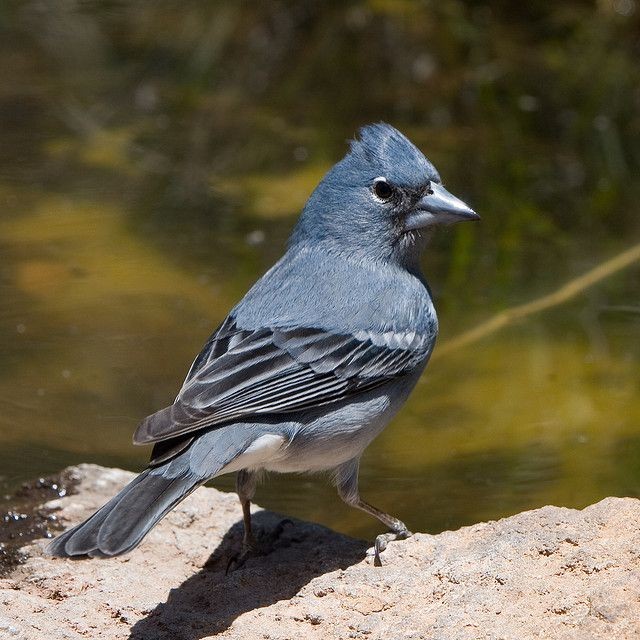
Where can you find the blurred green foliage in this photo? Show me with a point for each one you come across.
(532, 111)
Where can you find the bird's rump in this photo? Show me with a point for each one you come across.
(281, 370)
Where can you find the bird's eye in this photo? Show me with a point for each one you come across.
(382, 189)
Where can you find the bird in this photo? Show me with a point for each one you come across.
(315, 360)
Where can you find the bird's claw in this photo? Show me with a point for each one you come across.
(253, 548)
(383, 540)
(237, 560)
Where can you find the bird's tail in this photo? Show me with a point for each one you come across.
(126, 519)
(122, 523)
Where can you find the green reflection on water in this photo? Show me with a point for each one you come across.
(154, 159)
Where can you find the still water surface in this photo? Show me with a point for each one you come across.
(140, 203)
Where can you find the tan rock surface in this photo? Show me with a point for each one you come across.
(548, 573)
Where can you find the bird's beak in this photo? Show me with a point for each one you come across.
(439, 206)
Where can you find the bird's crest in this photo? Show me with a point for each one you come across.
(383, 145)
(381, 140)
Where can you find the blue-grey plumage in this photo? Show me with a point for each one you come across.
(313, 362)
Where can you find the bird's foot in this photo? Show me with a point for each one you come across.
(252, 548)
(249, 550)
(383, 540)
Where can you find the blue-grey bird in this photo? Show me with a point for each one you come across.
(313, 362)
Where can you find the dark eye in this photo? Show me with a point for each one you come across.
(382, 189)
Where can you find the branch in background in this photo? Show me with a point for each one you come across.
(564, 293)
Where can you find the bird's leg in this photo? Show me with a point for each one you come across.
(347, 485)
(245, 488)
(398, 529)
(246, 482)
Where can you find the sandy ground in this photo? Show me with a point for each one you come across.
(548, 573)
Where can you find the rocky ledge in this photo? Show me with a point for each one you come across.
(548, 573)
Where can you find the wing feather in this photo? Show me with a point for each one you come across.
(244, 373)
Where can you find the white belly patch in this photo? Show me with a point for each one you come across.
(260, 452)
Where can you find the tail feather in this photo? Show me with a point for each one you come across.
(120, 525)
(124, 528)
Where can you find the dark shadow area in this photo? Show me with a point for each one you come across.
(209, 602)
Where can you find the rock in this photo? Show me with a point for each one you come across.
(548, 573)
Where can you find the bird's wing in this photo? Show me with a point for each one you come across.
(280, 370)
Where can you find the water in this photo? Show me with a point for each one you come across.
(153, 160)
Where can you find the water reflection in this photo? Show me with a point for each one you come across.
(154, 160)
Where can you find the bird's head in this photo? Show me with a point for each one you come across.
(379, 201)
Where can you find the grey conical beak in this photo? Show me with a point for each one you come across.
(439, 207)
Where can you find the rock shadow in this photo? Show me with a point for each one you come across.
(208, 602)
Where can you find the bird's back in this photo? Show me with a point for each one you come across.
(309, 287)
